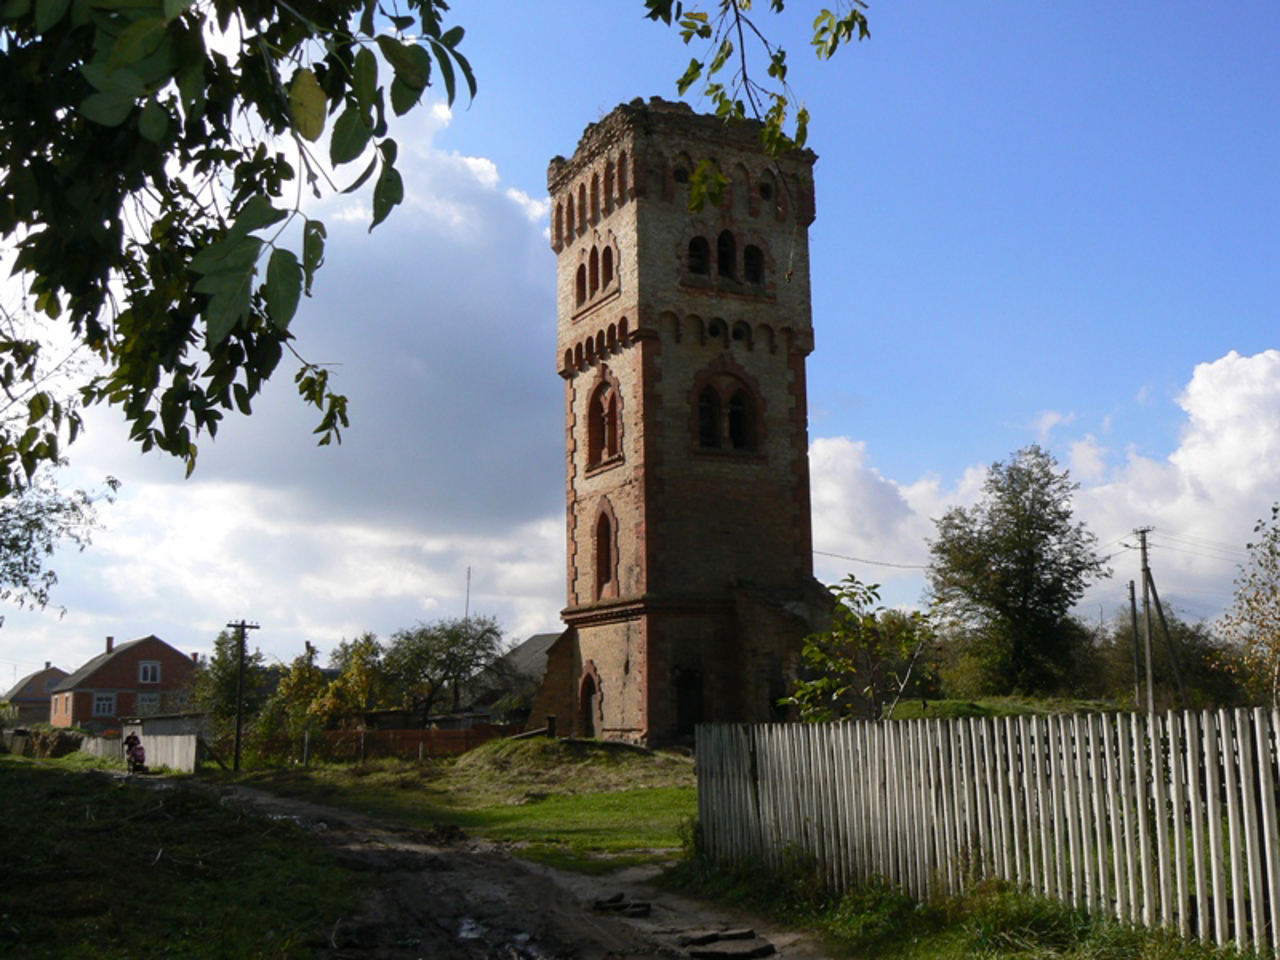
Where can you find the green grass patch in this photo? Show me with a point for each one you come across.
(588, 805)
(104, 867)
(991, 921)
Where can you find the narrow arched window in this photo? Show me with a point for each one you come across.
(569, 222)
(699, 256)
(606, 267)
(726, 255)
(602, 425)
(559, 224)
(582, 284)
(622, 178)
(593, 283)
(709, 418)
(753, 265)
(741, 436)
(608, 188)
(604, 556)
(595, 198)
(582, 208)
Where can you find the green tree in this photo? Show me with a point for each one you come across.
(1210, 670)
(865, 662)
(434, 665)
(291, 708)
(361, 684)
(154, 208)
(213, 685)
(1005, 574)
(1253, 620)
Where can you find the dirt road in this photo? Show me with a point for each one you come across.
(442, 897)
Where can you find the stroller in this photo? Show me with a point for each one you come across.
(136, 755)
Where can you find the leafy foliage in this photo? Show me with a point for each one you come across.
(1006, 572)
(1253, 621)
(289, 708)
(360, 686)
(863, 664)
(149, 155)
(435, 664)
(214, 685)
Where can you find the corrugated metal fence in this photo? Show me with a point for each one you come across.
(1168, 820)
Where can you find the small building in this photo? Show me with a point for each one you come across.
(135, 679)
(30, 696)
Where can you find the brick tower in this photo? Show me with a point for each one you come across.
(682, 343)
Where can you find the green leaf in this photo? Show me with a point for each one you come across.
(256, 213)
(364, 79)
(313, 235)
(307, 105)
(350, 137)
(403, 97)
(154, 122)
(387, 192)
(283, 287)
(107, 109)
(137, 41)
(689, 77)
(49, 12)
(38, 407)
(360, 180)
(411, 62)
(227, 269)
(446, 71)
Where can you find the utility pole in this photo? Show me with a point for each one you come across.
(1146, 615)
(1137, 659)
(241, 628)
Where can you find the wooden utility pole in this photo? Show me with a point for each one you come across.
(241, 628)
(1137, 658)
(1146, 616)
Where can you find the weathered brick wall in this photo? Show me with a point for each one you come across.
(657, 631)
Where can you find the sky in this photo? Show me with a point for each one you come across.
(1036, 223)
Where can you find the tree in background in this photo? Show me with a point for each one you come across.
(434, 665)
(1253, 620)
(213, 685)
(864, 663)
(1210, 671)
(292, 707)
(362, 683)
(1005, 574)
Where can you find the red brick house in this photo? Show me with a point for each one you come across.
(133, 679)
(30, 695)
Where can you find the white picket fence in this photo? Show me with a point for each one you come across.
(1163, 821)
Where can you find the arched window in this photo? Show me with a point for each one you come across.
(741, 435)
(606, 267)
(699, 256)
(595, 198)
(569, 222)
(603, 440)
(726, 255)
(608, 187)
(559, 224)
(753, 265)
(622, 178)
(582, 284)
(582, 208)
(605, 567)
(709, 418)
(593, 283)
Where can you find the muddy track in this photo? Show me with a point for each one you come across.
(443, 897)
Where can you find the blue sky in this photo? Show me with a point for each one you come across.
(1036, 223)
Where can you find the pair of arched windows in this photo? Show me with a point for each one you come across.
(595, 275)
(726, 259)
(727, 417)
(603, 439)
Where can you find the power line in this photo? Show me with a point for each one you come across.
(874, 563)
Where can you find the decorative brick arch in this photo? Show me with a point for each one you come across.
(604, 420)
(725, 379)
(604, 552)
(590, 701)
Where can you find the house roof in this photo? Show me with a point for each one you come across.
(530, 657)
(78, 678)
(39, 694)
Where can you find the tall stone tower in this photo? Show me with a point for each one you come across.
(682, 340)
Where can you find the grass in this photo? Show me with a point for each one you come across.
(586, 805)
(96, 866)
(991, 921)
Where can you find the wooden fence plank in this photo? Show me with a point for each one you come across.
(1178, 799)
(1213, 791)
(1267, 802)
(1196, 811)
